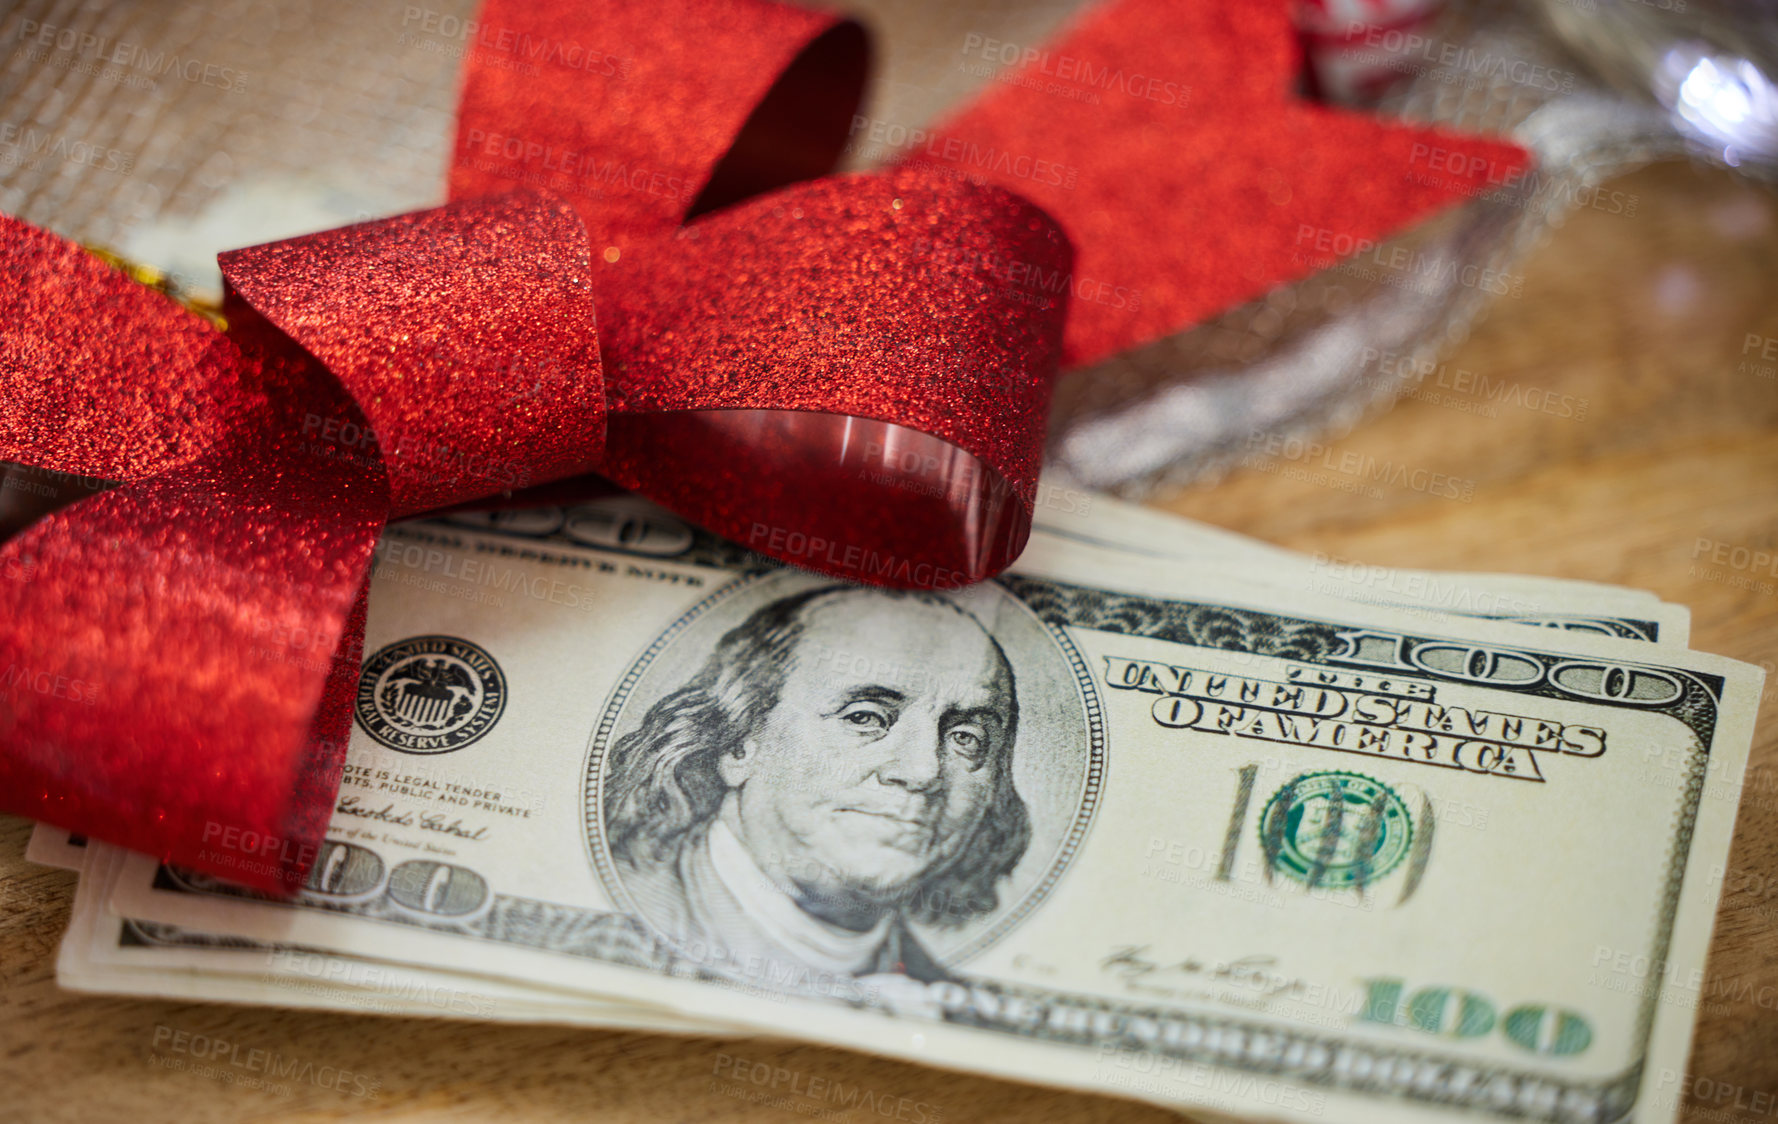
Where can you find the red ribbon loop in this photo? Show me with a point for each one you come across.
(643, 113)
(465, 334)
(837, 374)
(169, 643)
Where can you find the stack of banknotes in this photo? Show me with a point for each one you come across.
(1162, 812)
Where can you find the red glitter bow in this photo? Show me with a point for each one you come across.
(851, 373)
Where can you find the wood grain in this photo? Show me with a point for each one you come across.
(1646, 319)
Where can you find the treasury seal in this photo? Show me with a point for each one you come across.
(1335, 829)
(430, 694)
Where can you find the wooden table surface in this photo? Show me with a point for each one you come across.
(1657, 322)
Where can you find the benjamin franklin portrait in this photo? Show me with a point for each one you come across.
(834, 778)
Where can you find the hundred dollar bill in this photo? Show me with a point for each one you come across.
(126, 955)
(1099, 823)
(106, 952)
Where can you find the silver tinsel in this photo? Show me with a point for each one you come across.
(338, 111)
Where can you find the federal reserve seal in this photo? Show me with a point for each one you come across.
(430, 694)
(1335, 829)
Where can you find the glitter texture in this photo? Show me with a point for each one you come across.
(668, 109)
(170, 641)
(464, 333)
(915, 300)
(1185, 172)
